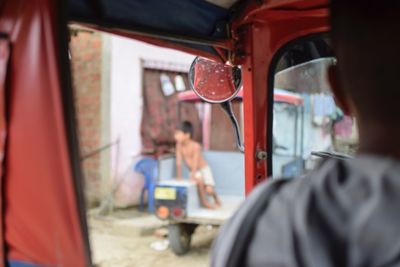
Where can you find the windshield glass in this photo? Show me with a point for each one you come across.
(314, 127)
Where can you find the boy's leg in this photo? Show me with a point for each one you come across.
(209, 182)
(210, 190)
(202, 194)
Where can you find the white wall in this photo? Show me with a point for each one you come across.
(126, 102)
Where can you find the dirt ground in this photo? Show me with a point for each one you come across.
(113, 247)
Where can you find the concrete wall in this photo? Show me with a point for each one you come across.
(126, 108)
(108, 80)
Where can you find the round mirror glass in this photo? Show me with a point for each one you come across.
(214, 82)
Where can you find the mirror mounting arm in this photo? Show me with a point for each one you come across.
(227, 108)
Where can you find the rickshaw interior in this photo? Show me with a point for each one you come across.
(279, 45)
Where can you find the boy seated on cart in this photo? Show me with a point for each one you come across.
(190, 152)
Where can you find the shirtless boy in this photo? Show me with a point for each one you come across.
(189, 151)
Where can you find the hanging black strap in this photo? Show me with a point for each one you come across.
(238, 253)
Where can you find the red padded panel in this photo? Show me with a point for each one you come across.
(41, 214)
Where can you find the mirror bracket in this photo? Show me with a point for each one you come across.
(227, 108)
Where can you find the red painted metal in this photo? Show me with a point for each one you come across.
(260, 36)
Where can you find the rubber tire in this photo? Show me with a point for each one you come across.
(180, 237)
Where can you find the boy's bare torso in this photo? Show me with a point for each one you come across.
(192, 155)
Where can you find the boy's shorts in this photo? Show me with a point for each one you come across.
(206, 175)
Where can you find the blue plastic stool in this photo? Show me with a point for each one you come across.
(148, 167)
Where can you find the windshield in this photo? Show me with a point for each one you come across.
(302, 132)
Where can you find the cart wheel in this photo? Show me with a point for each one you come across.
(180, 236)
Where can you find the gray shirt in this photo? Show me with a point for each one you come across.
(344, 213)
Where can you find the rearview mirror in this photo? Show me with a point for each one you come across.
(214, 82)
(217, 83)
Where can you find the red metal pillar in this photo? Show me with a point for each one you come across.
(255, 73)
(264, 33)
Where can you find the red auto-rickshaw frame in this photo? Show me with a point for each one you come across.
(268, 30)
(42, 210)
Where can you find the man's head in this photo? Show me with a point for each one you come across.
(183, 132)
(366, 38)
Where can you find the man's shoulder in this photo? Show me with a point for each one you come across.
(280, 202)
(341, 183)
(327, 200)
